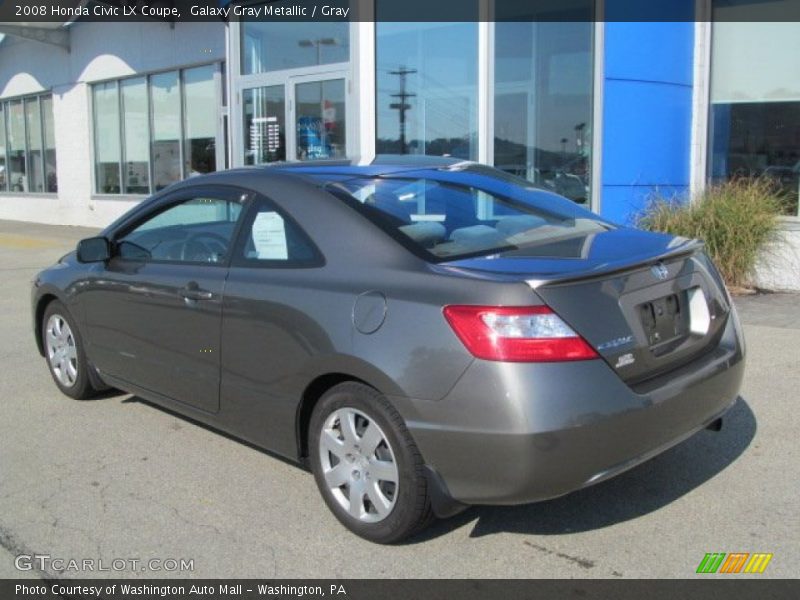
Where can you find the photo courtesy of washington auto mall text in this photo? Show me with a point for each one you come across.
(165, 589)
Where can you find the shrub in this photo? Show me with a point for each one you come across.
(735, 219)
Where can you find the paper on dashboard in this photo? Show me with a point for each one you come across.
(269, 236)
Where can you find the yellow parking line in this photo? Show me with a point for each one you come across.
(23, 242)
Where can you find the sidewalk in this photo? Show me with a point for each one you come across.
(770, 310)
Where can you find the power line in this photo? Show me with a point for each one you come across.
(402, 106)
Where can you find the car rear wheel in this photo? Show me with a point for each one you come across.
(63, 349)
(367, 467)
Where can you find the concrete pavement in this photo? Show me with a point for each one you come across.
(117, 478)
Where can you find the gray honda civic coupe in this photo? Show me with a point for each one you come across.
(423, 334)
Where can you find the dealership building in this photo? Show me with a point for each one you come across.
(96, 116)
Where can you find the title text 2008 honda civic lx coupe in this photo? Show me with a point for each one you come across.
(424, 334)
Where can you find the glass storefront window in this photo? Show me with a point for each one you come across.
(165, 146)
(33, 127)
(543, 104)
(751, 139)
(106, 137)
(755, 101)
(169, 124)
(27, 145)
(427, 88)
(136, 128)
(3, 162)
(542, 90)
(264, 127)
(320, 120)
(200, 120)
(17, 172)
(273, 46)
(49, 135)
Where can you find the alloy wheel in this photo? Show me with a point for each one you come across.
(62, 353)
(359, 465)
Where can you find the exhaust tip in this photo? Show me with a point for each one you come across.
(715, 425)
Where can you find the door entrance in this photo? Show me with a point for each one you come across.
(296, 119)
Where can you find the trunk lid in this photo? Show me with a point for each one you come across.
(648, 303)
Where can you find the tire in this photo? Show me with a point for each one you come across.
(64, 354)
(385, 511)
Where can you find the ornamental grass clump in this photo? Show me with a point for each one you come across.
(735, 219)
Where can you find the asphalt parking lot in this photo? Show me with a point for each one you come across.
(117, 478)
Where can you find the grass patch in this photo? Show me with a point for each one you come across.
(735, 219)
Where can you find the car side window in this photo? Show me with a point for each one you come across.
(197, 230)
(271, 238)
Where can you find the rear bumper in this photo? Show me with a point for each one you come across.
(518, 433)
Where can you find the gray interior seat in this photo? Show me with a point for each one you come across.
(425, 233)
(511, 225)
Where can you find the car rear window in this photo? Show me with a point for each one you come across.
(446, 221)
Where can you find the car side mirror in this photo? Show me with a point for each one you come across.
(95, 249)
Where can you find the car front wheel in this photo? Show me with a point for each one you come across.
(366, 465)
(63, 349)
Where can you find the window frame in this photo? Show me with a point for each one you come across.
(94, 131)
(703, 134)
(473, 93)
(240, 261)
(5, 114)
(186, 141)
(151, 116)
(359, 140)
(170, 200)
(219, 70)
(485, 91)
(123, 161)
(30, 140)
(238, 46)
(45, 149)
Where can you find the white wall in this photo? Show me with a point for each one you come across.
(98, 51)
(778, 268)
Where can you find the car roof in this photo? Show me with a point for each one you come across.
(321, 173)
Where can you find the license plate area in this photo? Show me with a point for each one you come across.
(666, 321)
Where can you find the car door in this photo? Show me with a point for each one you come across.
(154, 310)
(269, 331)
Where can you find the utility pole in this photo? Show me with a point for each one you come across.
(402, 106)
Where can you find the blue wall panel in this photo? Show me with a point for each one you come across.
(647, 112)
(622, 203)
(650, 51)
(646, 133)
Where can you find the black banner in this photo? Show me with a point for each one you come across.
(65, 11)
(368, 589)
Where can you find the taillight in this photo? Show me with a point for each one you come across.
(517, 334)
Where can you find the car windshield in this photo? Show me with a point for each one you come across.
(447, 221)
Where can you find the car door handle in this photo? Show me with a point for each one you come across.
(195, 293)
